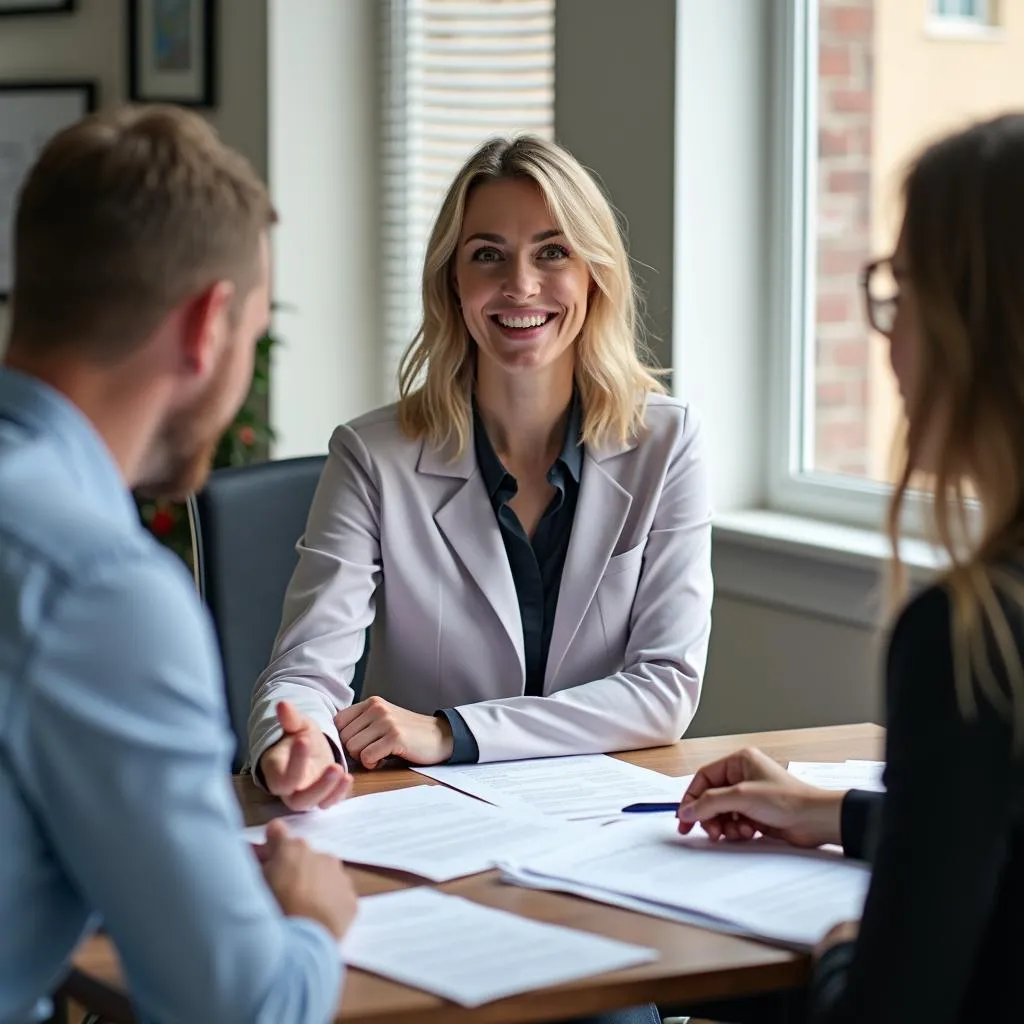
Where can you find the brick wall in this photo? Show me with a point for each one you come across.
(844, 234)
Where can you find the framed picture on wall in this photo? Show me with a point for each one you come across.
(13, 7)
(172, 51)
(31, 113)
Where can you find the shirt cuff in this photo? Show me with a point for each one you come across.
(856, 822)
(465, 749)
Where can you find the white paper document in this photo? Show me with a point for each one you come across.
(428, 831)
(471, 954)
(529, 880)
(840, 775)
(575, 787)
(763, 889)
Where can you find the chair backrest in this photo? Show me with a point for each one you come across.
(248, 520)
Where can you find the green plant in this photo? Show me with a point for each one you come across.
(247, 440)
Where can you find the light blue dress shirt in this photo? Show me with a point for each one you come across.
(115, 754)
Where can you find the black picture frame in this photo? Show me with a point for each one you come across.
(20, 8)
(194, 82)
(31, 112)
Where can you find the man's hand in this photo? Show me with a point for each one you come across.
(373, 729)
(845, 931)
(300, 767)
(306, 883)
(748, 792)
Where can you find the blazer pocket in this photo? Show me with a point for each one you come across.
(616, 595)
(625, 561)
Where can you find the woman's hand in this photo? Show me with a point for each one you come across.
(845, 931)
(374, 729)
(300, 768)
(748, 792)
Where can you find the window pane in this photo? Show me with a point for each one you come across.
(884, 88)
(972, 10)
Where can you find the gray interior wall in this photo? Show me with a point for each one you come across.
(323, 117)
(773, 668)
(614, 110)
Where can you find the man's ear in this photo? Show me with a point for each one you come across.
(203, 322)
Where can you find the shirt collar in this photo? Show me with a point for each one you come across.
(493, 471)
(42, 409)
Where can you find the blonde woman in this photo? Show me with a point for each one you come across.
(942, 935)
(527, 532)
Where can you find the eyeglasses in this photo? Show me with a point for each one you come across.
(881, 294)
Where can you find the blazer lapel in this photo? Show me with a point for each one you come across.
(468, 523)
(600, 515)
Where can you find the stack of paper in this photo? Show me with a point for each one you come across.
(840, 774)
(763, 889)
(471, 954)
(428, 831)
(571, 788)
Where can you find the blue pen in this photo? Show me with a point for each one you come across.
(649, 808)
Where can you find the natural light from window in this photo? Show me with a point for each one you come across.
(457, 72)
(885, 85)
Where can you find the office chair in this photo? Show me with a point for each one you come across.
(245, 523)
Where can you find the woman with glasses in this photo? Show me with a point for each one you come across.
(941, 939)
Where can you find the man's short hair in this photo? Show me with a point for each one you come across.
(123, 216)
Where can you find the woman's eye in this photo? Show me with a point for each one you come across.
(554, 252)
(486, 255)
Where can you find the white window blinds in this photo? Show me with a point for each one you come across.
(456, 72)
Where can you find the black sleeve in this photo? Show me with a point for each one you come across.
(859, 822)
(934, 880)
(465, 749)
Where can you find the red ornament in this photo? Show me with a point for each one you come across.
(162, 522)
(247, 436)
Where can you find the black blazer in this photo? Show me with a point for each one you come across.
(942, 936)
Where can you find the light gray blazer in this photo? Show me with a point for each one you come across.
(403, 537)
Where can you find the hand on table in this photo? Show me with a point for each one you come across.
(300, 767)
(374, 729)
(306, 883)
(746, 793)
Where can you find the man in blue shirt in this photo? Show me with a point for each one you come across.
(141, 283)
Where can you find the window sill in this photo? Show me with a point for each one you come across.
(809, 566)
(963, 30)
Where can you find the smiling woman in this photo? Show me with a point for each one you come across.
(526, 533)
(526, 206)
(523, 292)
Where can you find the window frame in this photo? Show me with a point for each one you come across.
(791, 298)
(982, 15)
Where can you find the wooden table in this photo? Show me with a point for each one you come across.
(694, 965)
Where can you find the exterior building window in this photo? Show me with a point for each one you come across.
(870, 89)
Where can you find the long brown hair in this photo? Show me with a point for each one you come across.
(963, 239)
(612, 371)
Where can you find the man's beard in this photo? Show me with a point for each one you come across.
(183, 455)
(184, 472)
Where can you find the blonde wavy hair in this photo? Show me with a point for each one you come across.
(613, 370)
(963, 237)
